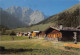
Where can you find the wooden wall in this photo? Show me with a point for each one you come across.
(42, 34)
(67, 36)
(78, 36)
(33, 34)
(54, 34)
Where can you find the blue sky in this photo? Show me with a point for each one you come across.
(48, 7)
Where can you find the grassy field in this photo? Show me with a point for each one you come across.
(9, 38)
(40, 27)
(35, 46)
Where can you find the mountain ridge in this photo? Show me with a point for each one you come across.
(9, 20)
(25, 15)
(68, 18)
(68, 15)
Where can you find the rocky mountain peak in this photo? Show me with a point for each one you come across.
(26, 15)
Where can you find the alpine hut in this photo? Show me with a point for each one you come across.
(63, 33)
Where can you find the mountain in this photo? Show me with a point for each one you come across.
(36, 17)
(69, 17)
(15, 16)
(9, 20)
(26, 15)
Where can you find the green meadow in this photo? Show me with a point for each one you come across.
(40, 27)
(10, 38)
(35, 46)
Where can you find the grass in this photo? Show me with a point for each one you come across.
(9, 38)
(34, 47)
(40, 27)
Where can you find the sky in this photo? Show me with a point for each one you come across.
(48, 7)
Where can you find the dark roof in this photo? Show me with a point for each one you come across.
(50, 27)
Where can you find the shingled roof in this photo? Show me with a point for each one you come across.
(70, 29)
(66, 29)
(78, 27)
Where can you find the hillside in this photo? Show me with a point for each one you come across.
(69, 18)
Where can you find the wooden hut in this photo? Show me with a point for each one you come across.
(68, 33)
(63, 33)
(20, 34)
(78, 34)
(35, 33)
(41, 34)
(53, 33)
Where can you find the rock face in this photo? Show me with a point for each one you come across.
(9, 20)
(26, 15)
(36, 17)
(15, 16)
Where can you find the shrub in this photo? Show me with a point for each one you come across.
(13, 33)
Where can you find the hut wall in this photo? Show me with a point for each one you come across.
(55, 35)
(67, 36)
(41, 34)
(33, 34)
(78, 36)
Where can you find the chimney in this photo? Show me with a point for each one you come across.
(61, 26)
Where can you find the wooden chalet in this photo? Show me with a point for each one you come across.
(63, 33)
(53, 33)
(35, 33)
(41, 34)
(68, 34)
(78, 33)
(22, 34)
